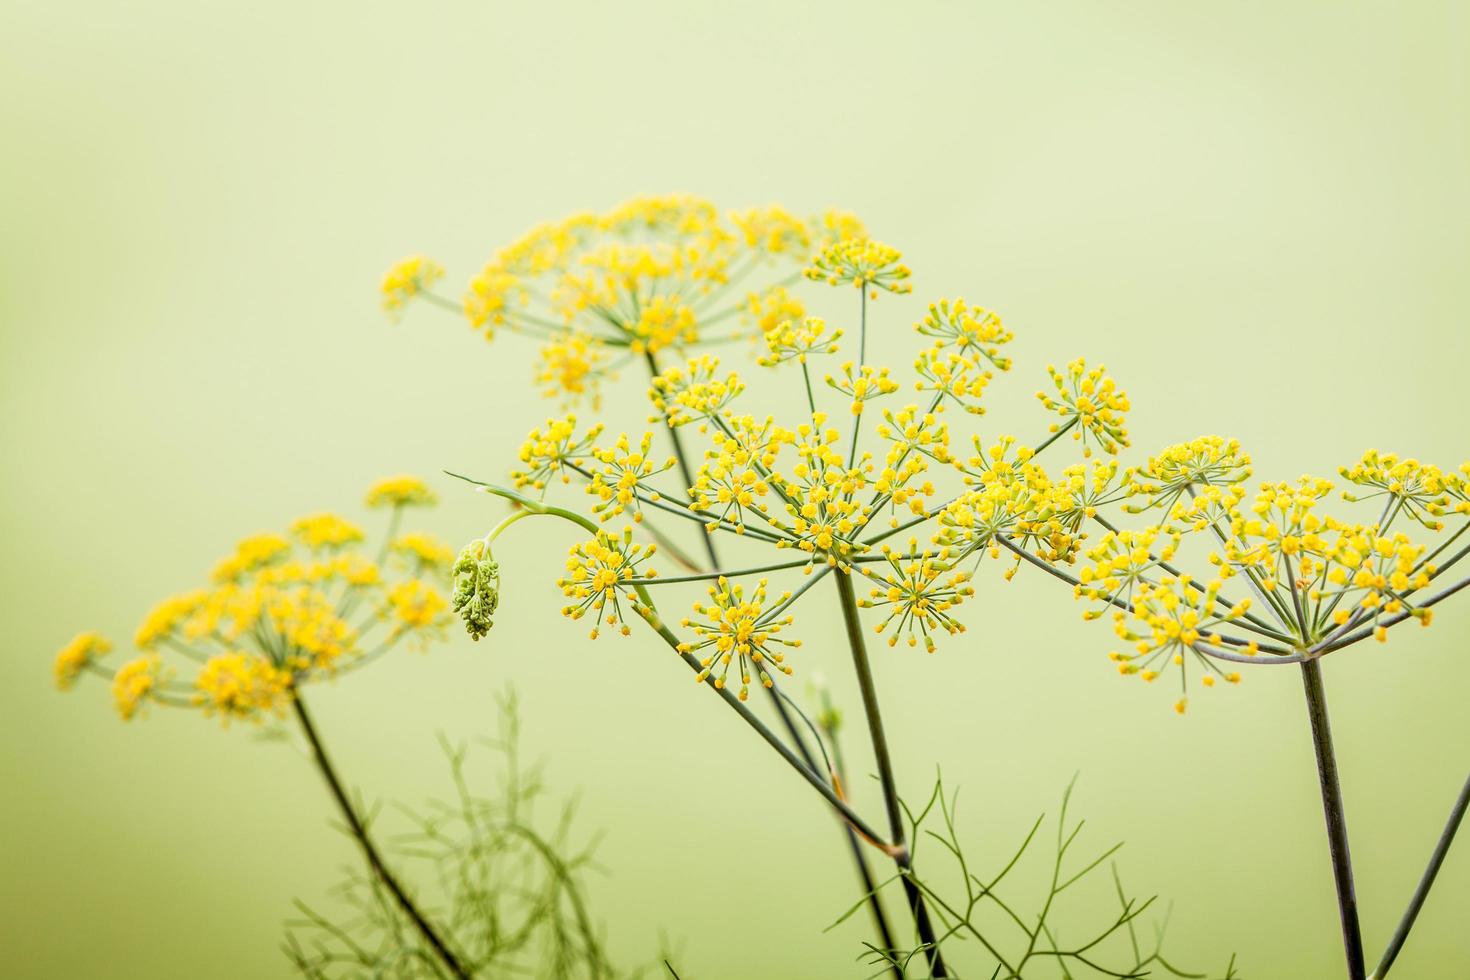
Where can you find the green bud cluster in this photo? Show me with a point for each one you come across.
(476, 587)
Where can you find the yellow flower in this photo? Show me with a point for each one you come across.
(913, 438)
(773, 308)
(73, 658)
(862, 384)
(919, 591)
(972, 331)
(251, 553)
(1092, 402)
(732, 479)
(552, 451)
(838, 226)
(492, 296)
(664, 322)
(793, 340)
(620, 484)
(603, 572)
(241, 685)
(772, 229)
(571, 366)
(822, 495)
(693, 391)
(135, 683)
(863, 263)
(407, 279)
(414, 605)
(318, 531)
(1174, 618)
(951, 376)
(735, 629)
(165, 618)
(1203, 462)
(1420, 489)
(423, 551)
(401, 491)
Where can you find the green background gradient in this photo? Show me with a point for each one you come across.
(1255, 213)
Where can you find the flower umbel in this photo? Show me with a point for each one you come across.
(738, 630)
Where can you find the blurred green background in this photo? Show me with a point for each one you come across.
(1255, 213)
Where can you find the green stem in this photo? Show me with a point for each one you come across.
(1436, 859)
(746, 715)
(369, 849)
(1332, 811)
(1062, 430)
(879, 917)
(858, 644)
(684, 471)
(648, 610)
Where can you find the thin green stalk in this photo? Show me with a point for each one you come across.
(858, 644)
(730, 698)
(1332, 811)
(1436, 859)
(862, 360)
(1062, 430)
(646, 608)
(684, 471)
(859, 860)
(369, 849)
(879, 917)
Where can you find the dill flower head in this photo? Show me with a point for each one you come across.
(423, 552)
(407, 278)
(794, 340)
(918, 592)
(1271, 535)
(693, 391)
(571, 367)
(664, 322)
(735, 629)
(1375, 572)
(492, 297)
(1178, 469)
(774, 230)
(1421, 490)
(654, 274)
(401, 491)
(278, 613)
(413, 606)
(1123, 561)
(734, 477)
(325, 531)
(862, 384)
(914, 438)
(973, 332)
(251, 554)
(838, 226)
(772, 308)
(955, 377)
(135, 682)
(824, 496)
(1091, 403)
(601, 575)
(620, 484)
(476, 587)
(74, 658)
(1170, 619)
(862, 262)
(552, 450)
(241, 685)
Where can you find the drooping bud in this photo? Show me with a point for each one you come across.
(476, 587)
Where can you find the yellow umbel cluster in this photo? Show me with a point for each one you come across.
(277, 615)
